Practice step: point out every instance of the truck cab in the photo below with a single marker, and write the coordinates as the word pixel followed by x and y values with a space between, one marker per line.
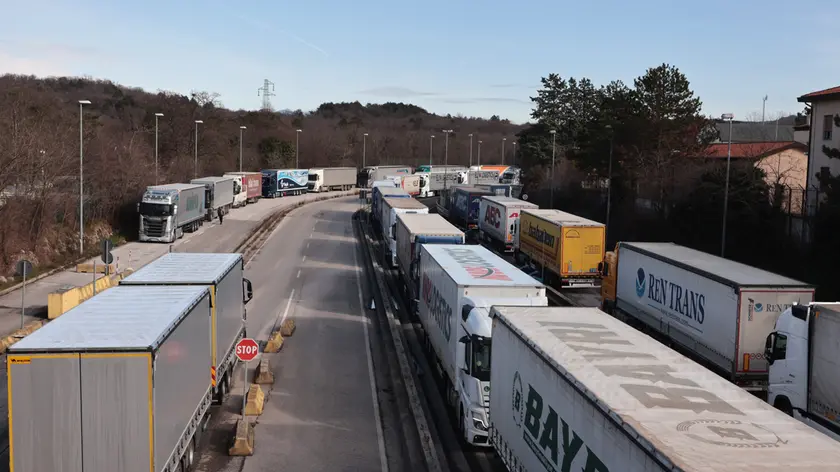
pixel 316 180
pixel 804 374
pixel 607 271
pixel 157 211
pixel 473 361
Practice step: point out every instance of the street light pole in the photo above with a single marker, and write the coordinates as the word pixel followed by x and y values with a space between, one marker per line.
pixel 431 146
pixel 609 183
pixel 471 139
pixel 553 139
pixel 364 149
pixel 157 115
pixel 82 103
pixel 479 152
pixel 503 150
pixel 297 148
pixel 446 158
pixel 514 152
pixel 729 117
pixel 241 129
pixel 195 159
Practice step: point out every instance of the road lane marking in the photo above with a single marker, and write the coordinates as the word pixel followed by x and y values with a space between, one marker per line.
pixel 307 245
pixel 288 304
pixel 383 461
pixel 304 259
pixel 298 276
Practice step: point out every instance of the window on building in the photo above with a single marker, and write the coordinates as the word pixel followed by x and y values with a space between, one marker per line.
pixel 828 125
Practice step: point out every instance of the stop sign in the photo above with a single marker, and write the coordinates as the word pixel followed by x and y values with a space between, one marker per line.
pixel 247 349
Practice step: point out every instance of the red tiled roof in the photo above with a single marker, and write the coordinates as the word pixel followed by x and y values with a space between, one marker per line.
pixel 751 150
pixel 819 94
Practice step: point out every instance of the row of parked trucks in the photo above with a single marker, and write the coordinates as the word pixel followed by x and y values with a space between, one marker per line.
pixel 125 380
pixel 669 375
pixel 168 211
pixel 428 181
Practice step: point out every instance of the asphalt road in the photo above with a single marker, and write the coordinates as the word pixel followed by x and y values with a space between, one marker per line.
pixel 323 412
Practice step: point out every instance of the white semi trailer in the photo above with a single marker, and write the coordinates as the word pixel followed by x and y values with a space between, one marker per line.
pixel 804 379
pixel 118 383
pixel 459 285
pixel 577 390
pixel 498 220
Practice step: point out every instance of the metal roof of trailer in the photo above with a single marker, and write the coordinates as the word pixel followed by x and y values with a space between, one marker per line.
pixel 714 267
pixel 120 318
pixel 679 439
pixel 561 217
pixel 428 223
pixel 185 268
pixel 404 203
pixel 211 179
pixel 510 201
pixel 469 264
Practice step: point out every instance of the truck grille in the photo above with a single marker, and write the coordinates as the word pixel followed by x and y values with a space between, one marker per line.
pixel 154 229
pixel 486 399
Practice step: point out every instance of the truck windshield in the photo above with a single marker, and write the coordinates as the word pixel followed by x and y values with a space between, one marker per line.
pixel 480 367
pixel 155 209
pixel 313 177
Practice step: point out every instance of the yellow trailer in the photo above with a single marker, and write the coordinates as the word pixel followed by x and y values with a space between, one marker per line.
pixel 569 246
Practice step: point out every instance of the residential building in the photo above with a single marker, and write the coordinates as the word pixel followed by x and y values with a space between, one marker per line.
pixel 825 105
pixel 785 165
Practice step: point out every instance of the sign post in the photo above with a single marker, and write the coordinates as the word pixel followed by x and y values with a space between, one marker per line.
pixel 23 268
pixel 106 256
pixel 246 350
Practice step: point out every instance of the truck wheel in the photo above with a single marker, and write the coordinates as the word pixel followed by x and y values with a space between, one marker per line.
pixel 783 404
pixel 189 457
pixel 461 428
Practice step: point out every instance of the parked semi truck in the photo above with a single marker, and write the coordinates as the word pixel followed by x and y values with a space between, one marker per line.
pixel 326 179
pixel 218 195
pixel 804 373
pixel 466 203
pixel 576 390
pixel 370 174
pixel 118 383
pixel 282 182
pixel 504 190
pixel 480 177
pixel 459 285
pixel 167 211
pixel 439 168
pixel 409 183
pixel 568 246
pixel 412 231
pixel 498 220
pixel 379 193
pixel 251 183
pixel 240 194
pixel 716 311
pixel 223 275
pixel 434 183
pixel 391 209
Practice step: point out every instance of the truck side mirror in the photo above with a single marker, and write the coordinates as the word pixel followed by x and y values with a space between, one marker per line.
pixel 769 347
pixel 464 339
pixel 248 291
pixel 465 312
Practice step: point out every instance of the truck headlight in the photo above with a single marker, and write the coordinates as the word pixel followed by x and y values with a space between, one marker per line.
pixel 478 421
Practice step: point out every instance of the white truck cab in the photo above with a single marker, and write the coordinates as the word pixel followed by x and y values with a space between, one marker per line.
pixel 803 353
pixel 473 359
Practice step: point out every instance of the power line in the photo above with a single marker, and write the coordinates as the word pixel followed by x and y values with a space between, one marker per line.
pixel 266 91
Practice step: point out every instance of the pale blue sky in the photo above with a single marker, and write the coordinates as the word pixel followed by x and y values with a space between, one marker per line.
pixel 457 56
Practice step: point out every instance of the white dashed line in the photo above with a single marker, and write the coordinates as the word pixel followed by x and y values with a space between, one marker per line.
pixel 298 276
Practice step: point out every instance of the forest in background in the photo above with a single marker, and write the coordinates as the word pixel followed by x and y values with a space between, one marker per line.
pixel 39 152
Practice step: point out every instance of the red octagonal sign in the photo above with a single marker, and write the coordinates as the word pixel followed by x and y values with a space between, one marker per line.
pixel 247 349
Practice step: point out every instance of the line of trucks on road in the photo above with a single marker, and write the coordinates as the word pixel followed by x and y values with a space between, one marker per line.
pixel 427 180
pixel 168 211
pixel 125 380
pixel 669 373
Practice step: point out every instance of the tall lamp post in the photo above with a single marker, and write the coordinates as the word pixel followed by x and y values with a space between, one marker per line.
pixel 503 150
pixel 553 139
pixel 195 159
pixel 364 149
pixel 479 152
pixel 729 117
pixel 297 147
pixel 431 146
pixel 514 152
pixel 82 103
pixel 241 129
pixel 446 157
pixel 471 139
pixel 609 182
pixel 157 115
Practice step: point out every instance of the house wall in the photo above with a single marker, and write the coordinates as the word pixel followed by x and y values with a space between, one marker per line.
pixel 818 157
pixel 790 169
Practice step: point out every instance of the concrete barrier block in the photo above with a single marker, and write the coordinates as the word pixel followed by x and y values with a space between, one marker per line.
pixel 287 328
pixel 275 343
pixel 264 375
pixel 100 268
pixel 255 401
pixel 243 439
